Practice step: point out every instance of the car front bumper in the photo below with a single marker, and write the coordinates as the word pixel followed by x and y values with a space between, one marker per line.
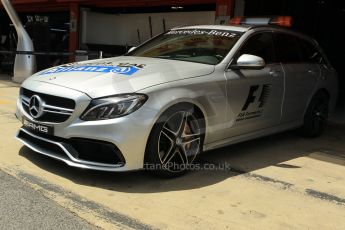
pixel 127 134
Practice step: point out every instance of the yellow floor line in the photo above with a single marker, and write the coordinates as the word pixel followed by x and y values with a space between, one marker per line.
pixel 6 102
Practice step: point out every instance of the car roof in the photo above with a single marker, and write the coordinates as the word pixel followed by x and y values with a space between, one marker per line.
pixel 236 28
pixel 246 27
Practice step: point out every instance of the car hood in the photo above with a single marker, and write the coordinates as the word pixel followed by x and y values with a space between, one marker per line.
pixel 118 75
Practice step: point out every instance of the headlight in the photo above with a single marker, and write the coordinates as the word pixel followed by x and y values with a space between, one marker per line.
pixel 112 107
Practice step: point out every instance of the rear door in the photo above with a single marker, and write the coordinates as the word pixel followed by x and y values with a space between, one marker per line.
pixel 301 74
pixel 255 95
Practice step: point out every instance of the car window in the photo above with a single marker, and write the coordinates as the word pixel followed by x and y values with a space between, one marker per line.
pixel 194 45
pixel 288 50
pixel 260 45
pixel 309 52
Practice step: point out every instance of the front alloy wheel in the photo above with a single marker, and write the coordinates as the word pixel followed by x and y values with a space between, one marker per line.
pixel 175 142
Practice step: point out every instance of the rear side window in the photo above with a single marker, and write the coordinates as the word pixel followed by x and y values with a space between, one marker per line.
pixel 288 50
pixel 309 52
pixel 260 45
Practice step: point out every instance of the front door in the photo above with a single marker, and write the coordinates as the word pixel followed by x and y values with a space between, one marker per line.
pixel 255 96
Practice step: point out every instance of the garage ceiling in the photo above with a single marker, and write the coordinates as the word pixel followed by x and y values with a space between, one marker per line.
pixel 63 5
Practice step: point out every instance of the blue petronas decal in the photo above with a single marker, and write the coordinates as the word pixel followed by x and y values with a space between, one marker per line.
pixel 105 67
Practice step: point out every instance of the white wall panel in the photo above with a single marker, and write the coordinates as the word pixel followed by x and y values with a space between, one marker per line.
pixel 112 29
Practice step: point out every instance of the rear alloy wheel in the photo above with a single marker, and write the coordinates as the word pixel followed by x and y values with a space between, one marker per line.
pixel 175 142
pixel 316 117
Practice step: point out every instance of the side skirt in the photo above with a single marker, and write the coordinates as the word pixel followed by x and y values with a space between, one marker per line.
pixel 252 135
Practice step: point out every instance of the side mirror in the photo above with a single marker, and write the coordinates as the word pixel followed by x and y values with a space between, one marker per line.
pixel 247 61
pixel 132 48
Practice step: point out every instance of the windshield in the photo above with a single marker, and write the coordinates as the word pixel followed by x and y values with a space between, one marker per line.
pixel 193 45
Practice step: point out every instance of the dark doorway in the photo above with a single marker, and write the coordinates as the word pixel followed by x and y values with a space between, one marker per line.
pixel 48 31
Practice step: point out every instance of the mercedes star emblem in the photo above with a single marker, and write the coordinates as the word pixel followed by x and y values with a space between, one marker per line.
pixel 36 106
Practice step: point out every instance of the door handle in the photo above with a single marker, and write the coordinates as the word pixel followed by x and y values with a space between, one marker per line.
pixel 274 73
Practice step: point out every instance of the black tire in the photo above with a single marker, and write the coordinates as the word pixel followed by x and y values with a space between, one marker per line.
pixel 171 147
pixel 316 116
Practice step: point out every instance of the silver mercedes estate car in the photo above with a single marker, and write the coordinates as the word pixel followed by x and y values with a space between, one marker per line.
pixel 188 90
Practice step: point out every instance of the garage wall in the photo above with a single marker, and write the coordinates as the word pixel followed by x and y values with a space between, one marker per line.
pixel 109 29
pixel 239 7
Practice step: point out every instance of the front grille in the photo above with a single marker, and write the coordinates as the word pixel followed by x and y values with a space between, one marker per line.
pixel 56 109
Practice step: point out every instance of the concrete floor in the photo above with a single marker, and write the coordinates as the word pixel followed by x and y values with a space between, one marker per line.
pixel 278 182
pixel 24 208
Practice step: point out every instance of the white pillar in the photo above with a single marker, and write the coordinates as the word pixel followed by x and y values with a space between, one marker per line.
pixel 24 65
